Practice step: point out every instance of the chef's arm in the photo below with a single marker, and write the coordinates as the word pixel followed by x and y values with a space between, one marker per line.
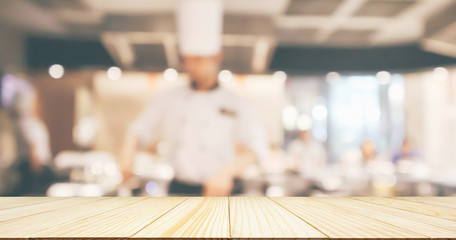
pixel 244 157
pixel 140 133
pixel 129 148
pixel 35 163
pixel 221 183
pixel 128 151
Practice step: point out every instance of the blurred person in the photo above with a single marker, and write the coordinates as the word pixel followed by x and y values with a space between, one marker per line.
pixel 33 152
pixel 368 151
pixel 366 171
pixel 406 153
pixel 372 161
pixel 212 133
pixel 306 155
pixel 408 161
pixel 362 156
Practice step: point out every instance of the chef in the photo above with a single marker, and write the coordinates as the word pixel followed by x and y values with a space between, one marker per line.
pixel 212 132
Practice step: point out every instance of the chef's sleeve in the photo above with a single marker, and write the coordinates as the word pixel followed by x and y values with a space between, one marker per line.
pixel 37 135
pixel 251 132
pixel 146 126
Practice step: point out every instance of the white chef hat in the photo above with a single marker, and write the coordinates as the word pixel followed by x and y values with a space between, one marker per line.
pixel 199 27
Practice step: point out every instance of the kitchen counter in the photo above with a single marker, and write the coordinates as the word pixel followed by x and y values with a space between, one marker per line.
pixel 227 218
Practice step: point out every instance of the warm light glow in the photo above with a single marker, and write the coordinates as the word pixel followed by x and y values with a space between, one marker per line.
pixel 97 168
pixel 114 73
pixel 56 71
pixel 320 132
pixel 332 77
pixel 225 76
pixel 396 94
pixel 383 77
pixel 151 187
pixel 304 122
pixel 170 74
pixel 280 76
pixel 289 117
pixel 275 191
pixel 110 169
pixel 440 73
pixel 319 112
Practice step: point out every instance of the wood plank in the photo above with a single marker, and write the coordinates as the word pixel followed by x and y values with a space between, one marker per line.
pixel 449 202
pixel 338 223
pixel 227 218
pixel 422 224
pixel 260 217
pixel 10 199
pixel 22 211
pixel 195 218
pixel 12 202
pixel 122 222
pixel 426 209
pixel 25 227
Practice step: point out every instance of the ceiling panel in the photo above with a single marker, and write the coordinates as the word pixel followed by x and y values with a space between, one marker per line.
pixel 441 20
pixel 37 20
pixel 313 7
pixel 79 16
pixel 253 7
pixel 350 37
pixel 384 8
pixel 68 4
pixel 289 22
pixel 447 35
pixel 249 25
pixel 287 36
pixel 84 31
pixel 131 6
pixel 139 23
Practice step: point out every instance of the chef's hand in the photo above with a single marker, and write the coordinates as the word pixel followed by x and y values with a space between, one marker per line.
pixel 126 174
pixel 219 185
pixel 127 155
pixel 36 167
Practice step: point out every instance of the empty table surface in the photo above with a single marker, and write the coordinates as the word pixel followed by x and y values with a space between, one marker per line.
pixel 228 218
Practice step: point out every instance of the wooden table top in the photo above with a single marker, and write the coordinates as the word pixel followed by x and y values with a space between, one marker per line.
pixel 228 218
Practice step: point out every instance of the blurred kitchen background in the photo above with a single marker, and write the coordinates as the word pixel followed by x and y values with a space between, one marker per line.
pixel 358 96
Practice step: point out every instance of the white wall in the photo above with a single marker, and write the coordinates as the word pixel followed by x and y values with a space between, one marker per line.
pixel 430 105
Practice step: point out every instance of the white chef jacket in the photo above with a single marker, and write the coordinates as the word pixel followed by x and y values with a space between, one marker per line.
pixel 36 134
pixel 201 129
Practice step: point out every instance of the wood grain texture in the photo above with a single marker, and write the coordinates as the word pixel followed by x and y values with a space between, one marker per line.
pixel 227 218
pixel 449 202
pixel 121 222
pixel 422 224
pixel 195 218
pixel 259 217
pixel 423 208
pixel 40 207
pixel 339 223
pixel 27 226
pixel 12 202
